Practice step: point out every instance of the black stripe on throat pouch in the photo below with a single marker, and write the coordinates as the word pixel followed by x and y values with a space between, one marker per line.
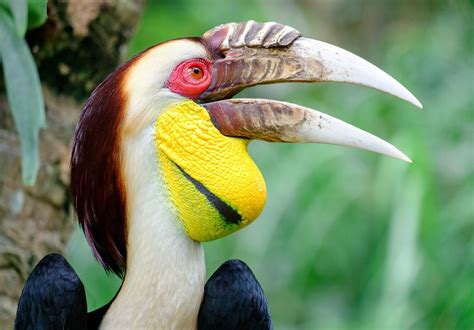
pixel 229 215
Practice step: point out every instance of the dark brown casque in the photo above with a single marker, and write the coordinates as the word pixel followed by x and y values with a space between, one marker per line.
pixel 247 54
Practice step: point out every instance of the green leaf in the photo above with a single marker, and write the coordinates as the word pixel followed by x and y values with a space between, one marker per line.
pixel 25 98
pixel 37 13
pixel 18 10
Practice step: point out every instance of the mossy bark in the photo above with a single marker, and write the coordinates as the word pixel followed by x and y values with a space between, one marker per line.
pixel 81 43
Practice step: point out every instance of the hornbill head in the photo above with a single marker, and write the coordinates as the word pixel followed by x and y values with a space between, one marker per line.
pixel 167 118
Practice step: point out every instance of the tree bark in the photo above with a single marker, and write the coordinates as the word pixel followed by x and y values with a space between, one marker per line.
pixel 81 42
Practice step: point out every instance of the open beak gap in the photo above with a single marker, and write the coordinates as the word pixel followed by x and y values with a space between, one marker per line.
pixel 253 53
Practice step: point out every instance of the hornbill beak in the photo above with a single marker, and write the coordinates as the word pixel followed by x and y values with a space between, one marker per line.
pixel 248 54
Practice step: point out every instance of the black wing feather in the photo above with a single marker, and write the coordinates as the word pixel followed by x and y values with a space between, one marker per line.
pixel 53 297
pixel 233 299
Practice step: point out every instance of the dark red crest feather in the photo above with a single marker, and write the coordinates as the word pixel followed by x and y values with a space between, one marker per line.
pixel 96 179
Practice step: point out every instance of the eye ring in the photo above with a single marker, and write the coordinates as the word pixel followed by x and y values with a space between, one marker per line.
pixel 196 72
pixel 191 77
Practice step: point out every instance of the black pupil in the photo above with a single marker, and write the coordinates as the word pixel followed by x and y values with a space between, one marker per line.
pixel 196 71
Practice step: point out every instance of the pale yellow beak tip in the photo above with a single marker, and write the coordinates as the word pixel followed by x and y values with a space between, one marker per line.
pixel 417 103
pixel 405 158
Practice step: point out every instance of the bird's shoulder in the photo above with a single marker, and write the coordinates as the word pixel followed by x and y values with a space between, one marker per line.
pixel 53 297
pixel 233 299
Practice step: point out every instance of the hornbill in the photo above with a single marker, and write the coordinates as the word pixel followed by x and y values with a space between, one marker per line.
pixel 160 164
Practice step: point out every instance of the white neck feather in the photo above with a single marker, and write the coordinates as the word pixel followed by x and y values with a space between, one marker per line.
pixel 165 275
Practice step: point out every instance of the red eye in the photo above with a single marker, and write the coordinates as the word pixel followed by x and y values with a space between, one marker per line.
pixel 191 78
pixel 196 72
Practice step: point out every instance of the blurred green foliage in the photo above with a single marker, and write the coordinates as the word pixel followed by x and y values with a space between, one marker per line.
pixel 350 239
pixel 23 87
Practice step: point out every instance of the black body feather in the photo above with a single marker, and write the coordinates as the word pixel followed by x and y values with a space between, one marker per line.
pixel 54 298
pixel 233 299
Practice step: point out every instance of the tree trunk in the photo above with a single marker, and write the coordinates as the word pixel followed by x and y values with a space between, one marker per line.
pixel 81 43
